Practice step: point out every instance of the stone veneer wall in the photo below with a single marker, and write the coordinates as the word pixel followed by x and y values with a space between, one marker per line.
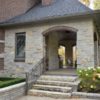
pixel 34 44
pixel 13 92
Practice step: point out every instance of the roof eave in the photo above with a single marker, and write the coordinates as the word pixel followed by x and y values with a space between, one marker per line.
pixel 91 14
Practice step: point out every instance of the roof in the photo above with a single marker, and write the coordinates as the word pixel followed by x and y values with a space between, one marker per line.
pixel 59 8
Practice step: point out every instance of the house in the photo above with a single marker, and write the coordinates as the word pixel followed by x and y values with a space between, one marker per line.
pixel 38 33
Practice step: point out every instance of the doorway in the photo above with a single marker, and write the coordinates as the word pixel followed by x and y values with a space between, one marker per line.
pixel 60 49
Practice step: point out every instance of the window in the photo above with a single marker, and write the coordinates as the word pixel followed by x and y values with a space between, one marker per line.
pixel 20 47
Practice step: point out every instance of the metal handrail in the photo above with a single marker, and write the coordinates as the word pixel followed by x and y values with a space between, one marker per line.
pixel 33 74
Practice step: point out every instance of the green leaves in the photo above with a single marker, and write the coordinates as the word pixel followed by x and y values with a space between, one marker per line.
pixel 90 79
pixel 4 82
pixel 96 4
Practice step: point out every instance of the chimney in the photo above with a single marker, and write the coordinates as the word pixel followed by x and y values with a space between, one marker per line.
pixel 47 2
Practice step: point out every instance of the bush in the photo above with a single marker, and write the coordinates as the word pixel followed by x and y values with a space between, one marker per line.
pixel 90 80
pixel 4 82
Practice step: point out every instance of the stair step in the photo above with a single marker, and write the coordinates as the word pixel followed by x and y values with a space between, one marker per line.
pixel 52 88
pixel 42 93
pixel 58 78
pixel 57 83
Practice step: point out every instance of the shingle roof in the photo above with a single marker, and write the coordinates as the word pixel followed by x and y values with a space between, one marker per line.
pixel 58 9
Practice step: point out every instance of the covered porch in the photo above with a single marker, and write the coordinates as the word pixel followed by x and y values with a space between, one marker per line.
pixel 60 49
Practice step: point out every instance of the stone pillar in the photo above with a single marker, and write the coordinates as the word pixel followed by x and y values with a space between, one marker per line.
pixel 53 61
pixel 85 47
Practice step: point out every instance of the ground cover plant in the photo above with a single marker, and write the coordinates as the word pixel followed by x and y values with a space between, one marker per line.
pixel 90 80
pixel 7 81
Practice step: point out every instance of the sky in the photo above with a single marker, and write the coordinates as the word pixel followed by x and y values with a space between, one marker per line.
pixel 91 4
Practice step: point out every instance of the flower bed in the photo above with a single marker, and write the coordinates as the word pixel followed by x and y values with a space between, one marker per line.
pixel 90 80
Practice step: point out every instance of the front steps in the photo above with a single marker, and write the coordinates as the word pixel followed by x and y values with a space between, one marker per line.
pixel 54 86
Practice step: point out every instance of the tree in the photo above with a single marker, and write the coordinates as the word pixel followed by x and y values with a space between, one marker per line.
pixel 86 2
pixel 96 4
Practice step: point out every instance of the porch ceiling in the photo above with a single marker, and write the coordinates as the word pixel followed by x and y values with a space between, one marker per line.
pixel 68 36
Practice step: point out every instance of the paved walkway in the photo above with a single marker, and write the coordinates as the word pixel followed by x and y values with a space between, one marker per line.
pixel 47 98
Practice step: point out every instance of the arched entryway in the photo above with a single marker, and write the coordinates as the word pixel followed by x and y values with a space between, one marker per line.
pixel 60 39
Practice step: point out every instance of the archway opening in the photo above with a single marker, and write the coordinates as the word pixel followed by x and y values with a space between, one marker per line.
pixel 60 49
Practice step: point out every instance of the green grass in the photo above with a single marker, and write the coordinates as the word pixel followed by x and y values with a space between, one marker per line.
pixel 7 81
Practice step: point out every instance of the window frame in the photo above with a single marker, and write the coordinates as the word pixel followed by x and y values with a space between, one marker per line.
pixel 19 59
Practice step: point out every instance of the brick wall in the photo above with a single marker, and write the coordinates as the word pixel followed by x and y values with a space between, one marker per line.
pixel 2 37
pixel 11 8
pixel 1 63
pixel 1 47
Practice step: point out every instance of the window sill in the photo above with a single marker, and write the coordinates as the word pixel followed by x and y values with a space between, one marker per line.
pixel 19 60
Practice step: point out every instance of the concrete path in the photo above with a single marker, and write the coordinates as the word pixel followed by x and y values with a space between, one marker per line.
pixel 47 98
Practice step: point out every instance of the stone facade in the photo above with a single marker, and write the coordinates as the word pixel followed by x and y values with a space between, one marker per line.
pixel 35 45
pixel 13 92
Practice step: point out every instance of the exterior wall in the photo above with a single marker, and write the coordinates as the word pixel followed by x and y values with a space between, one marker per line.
pixel 11 8
pixel 34 49
pixel 2 35
pixel 34 44
pixel 85 45
pixel 13 92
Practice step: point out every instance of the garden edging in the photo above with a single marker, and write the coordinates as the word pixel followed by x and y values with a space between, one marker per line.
pixel 13 92
pixel 86 95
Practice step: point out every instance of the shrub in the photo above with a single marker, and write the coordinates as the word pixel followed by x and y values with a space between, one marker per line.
pixel 4 82
pixel 90 79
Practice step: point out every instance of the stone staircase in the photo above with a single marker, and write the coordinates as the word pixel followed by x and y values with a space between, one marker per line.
pixel 55 86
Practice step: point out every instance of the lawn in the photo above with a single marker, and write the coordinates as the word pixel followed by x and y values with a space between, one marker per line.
pixel 7 81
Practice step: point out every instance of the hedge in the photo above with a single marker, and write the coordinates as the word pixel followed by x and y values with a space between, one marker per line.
pixel 4 82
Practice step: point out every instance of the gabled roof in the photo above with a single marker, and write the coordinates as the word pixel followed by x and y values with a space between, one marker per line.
pixel 59 8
